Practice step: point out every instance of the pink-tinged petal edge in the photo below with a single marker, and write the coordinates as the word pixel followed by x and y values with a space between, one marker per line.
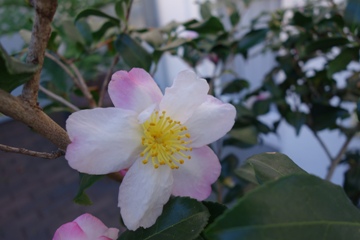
pixel 103 140
pixel 211 121
pixel 69 231
pixel 143 193
pixel 85 227
pixel 194 178
pixel 134 90
pixel 186 94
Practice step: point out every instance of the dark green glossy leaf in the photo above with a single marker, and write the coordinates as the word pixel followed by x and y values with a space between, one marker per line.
pixel 182 218
pixel 272 165
pixel 100 33
pixel 247 173
pixel 211 25
pixel 300 19
pixel 341 61
pixel 85 31
pixel 296 207
pixel 247 135
pixel 261 107
pixel 86 181
pixel 325 44
pixel 94 12
pixel 296 119
pixel 235 86
pixel 234 18
pixel 252 39
pixel 133 54
pixel 215 209
pixel 352 13
pixel 325 116
pixel 13 73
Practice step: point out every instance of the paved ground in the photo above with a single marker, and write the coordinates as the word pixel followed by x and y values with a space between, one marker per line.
pixel 36 194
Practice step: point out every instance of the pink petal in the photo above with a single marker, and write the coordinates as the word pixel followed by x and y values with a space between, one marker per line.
pixel 70 231
pixel 134 90
pixel 143 193
pixel 212 120
pixel 186 94
pixel 103 140
pixel 195 176
pixel 92 226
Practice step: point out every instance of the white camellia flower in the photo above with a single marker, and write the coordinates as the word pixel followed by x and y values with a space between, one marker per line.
pixel 161 140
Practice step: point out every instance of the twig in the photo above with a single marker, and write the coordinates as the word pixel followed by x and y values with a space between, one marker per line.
pixel 82 85
pixel 323 146
pixel 337 159
pixel 46 155
pixel 44 13
pixel 59 99
pixel 63 66
pixel 107 79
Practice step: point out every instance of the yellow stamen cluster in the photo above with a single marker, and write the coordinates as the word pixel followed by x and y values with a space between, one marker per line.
pixel 165 141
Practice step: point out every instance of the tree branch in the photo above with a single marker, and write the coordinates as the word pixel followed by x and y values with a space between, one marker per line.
pixel 337 159
pixel 46 155
pixel 323 145
pixel 44 13
pixel 34 117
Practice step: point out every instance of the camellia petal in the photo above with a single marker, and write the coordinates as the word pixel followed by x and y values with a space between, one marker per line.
pixel 195 176
pixel 70 231
pixel 212 120
pixel 103 140
pixel 92 226
pixel 85 227
pixel 143 193
pixel 186 94
pixel 134 90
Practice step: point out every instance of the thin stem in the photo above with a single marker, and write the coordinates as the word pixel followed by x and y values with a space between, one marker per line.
pixel 82 85
pixel 107 79
pixel 328 154
pixel 24 151
pixel 59 99
pixel 338 157
pixel 63 66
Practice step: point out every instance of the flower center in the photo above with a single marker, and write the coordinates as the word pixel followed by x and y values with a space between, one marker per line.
pixel 165 141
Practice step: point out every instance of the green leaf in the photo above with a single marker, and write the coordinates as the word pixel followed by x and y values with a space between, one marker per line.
pixel 14 73
pixel 173 44
pixel 247 173
pixel 261 107
pixel 234 18
pixel 251 39
pixel 296 119
pixel 121 8
pixel 271 166
pixel 182 218
pixel 325 116
pixel 102 30
pixel 247 135
pixel 153 37
pixel 300 19
pixel 205 10
pixel 341 61
pixel 85 31
pixel 215 209
pixel 296 207
pixel 235 86
pixel 133 54
pixel 352 13
pixel 86 181
pixel 211 25
pixel 325 44
pixel 94 12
